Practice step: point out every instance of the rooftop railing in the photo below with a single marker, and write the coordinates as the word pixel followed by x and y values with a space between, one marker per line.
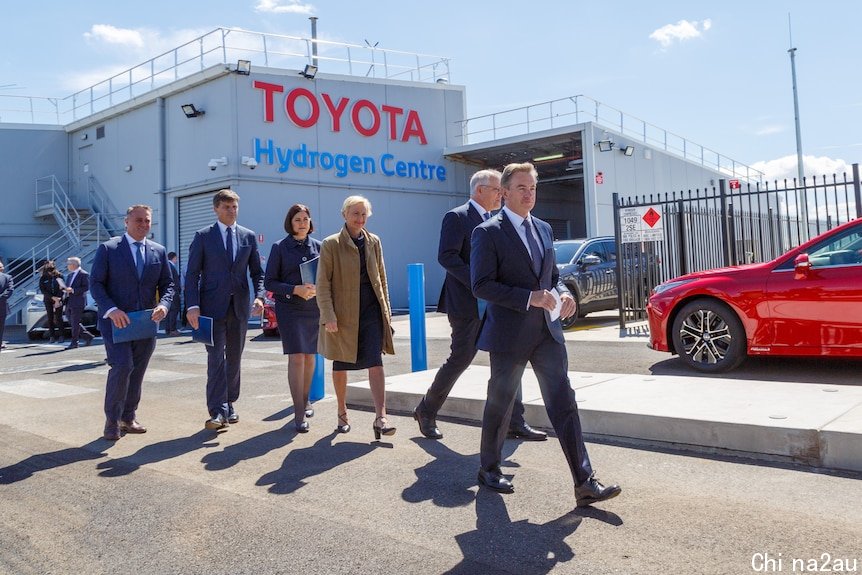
pixel 578 109
pixel 225 46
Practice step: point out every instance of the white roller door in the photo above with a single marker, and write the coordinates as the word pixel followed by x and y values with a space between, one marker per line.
pixel 195 212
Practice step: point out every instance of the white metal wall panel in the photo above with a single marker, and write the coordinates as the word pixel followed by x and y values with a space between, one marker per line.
pixel 194 212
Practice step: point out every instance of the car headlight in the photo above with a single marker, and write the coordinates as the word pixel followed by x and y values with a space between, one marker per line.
pixel 661 288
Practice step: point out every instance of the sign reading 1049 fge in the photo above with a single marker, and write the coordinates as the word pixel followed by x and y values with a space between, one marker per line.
pixel 641 224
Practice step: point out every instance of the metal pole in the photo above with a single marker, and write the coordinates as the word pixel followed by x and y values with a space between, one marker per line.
pixel 802 193
pixel 416 301
pixel 313 40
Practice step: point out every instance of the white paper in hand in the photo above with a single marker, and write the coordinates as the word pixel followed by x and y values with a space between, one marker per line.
pixel 558 305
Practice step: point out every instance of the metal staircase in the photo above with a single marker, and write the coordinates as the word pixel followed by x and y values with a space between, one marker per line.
pixel 81 230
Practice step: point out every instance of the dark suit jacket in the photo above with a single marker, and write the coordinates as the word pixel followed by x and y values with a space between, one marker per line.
pixel 78 298
pixel 6 288
pixel 211 278
pixel 283 274
pixel 502 273
pixel 456 297
pixel 114 278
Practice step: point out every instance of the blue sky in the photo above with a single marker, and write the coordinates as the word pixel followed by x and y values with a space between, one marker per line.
pixel 717 74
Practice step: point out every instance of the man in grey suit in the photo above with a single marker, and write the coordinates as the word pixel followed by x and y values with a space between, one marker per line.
pixel 460 305
pixel 513 267
pixel 77 286
pixel 221 259
pixel 7 286
pixel 129 272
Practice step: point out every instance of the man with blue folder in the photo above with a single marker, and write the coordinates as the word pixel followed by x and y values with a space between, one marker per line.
pixel 128 273
pixel 221 259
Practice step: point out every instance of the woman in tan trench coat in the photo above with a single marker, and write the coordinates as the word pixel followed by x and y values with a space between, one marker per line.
pixel 355 314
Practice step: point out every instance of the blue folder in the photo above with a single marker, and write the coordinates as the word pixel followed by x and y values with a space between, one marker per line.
pixel 141 326
pixel 204 333
pixel 308 270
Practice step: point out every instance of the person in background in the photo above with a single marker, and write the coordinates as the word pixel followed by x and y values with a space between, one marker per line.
pixel 355 313
pixel 52 298
pixel 129 271
pixel 295 306
pixel 221 259
pixel 460 305
pixel 174 312
pixel 7 286
pixel 77 286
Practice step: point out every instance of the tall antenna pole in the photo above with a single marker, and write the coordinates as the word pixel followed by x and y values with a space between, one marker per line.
pixel 803 196
pixel 314 42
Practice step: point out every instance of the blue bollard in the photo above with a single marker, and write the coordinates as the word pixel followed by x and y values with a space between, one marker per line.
pixel 316 392
pixel 416 299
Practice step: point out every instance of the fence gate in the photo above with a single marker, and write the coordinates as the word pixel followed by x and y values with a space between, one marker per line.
pixel 664 236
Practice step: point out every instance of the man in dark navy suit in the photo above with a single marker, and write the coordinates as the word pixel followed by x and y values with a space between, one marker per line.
pixel 513 267
pixel 460 305
pixel 129 272
pixel 7 286
pixel 77 286
pixel 221 259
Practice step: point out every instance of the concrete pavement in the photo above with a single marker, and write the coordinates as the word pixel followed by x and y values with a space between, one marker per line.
pixel 807 423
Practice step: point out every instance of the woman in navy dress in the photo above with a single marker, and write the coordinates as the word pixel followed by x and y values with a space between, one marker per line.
pixel 295 306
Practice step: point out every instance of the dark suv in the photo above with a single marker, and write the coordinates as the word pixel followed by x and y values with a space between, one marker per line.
pixel 588 267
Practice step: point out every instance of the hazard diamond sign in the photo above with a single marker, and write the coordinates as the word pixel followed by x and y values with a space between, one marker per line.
pixel 641 224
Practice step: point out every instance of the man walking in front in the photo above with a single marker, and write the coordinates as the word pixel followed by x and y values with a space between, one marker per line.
pixel 513 267
pixel 77 286
pixel 221 259
pixel 129 272
pixel 460 305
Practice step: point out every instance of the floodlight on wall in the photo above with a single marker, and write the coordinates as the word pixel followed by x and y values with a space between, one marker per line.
pixel 191 112
pixel 243 67
pixel 629 150
pixel 127 168
pixel 605 145
pixel 310 71
pixel 249 161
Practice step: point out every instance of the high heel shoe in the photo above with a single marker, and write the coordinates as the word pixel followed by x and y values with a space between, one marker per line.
pixel 309 411
pixel 302 427
pixel 342 427
pixel 381 427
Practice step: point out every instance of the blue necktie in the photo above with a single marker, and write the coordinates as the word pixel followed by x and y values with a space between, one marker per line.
pixel 487 216
pixel 139 260
pixel 535 250
pixel 229 244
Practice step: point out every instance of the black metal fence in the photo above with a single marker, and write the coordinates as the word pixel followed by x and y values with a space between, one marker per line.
pixel 681 232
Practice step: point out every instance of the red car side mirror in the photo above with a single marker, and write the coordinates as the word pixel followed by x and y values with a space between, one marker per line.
pixel 801 265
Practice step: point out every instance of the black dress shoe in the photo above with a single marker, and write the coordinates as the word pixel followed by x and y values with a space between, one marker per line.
pixel 232 416
pixel 112 431
pixel 495 481
pixel 592 491
pixel 72 346
pixel 526 433
pixel 427 425
pixel 216 423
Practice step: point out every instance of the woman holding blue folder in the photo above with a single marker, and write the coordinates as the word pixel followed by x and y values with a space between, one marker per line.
pixel 295 306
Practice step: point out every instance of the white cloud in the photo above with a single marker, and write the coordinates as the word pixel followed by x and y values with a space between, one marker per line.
pixel 113 35
pixel 680 32
pixel 768 130
pixel 282 7
pixel 785 168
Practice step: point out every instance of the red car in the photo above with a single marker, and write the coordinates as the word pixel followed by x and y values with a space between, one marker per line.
pixel 268 321
pixel 807 302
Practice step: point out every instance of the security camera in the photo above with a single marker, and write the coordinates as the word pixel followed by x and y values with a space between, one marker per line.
pixel 212 165
pixel 249 161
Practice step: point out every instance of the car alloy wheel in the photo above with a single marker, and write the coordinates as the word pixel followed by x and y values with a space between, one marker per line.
pixel 708 336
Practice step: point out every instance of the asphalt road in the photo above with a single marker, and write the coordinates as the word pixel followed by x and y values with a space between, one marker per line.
pixel 262 499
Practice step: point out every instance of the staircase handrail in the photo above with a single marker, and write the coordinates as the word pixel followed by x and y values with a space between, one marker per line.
pixel 100 202
pixel 50 194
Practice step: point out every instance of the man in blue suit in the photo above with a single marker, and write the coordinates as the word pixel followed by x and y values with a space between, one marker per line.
pixel 7 286
pixel 460 305
pixel 129 272
pixel 77 286
pixel 513 267
pixel 221 259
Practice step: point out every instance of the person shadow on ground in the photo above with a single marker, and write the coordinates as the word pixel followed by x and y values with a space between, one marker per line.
pixel 25 468
pixel 450 478
pixel 499 545
pixel 256 446
pixel 318 458
pixel 156 452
